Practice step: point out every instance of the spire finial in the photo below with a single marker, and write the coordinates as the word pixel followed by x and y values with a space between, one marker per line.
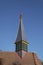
pixel 20 17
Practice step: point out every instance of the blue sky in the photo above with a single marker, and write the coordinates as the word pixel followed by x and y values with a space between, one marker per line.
pixel 32 11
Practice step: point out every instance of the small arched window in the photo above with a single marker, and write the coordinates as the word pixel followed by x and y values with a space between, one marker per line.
pixel 18 46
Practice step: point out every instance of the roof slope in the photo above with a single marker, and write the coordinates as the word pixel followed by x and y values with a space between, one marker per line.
pixel 21 33
pixel 12 58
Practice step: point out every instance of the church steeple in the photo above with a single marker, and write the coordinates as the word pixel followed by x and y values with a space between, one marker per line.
pixel 21 42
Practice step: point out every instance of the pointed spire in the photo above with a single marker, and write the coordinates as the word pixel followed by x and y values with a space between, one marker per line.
pixel 21 33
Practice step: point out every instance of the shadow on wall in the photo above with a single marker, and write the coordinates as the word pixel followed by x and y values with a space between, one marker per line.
pixel 0 61
pixel 42 63
pixel 16 63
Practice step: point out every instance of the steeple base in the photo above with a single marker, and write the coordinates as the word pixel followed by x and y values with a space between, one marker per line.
pixel 21 53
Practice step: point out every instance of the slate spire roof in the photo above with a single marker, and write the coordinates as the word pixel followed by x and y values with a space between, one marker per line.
pixel 21 33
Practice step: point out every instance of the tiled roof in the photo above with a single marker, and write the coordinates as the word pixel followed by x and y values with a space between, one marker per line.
pixel 12 58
